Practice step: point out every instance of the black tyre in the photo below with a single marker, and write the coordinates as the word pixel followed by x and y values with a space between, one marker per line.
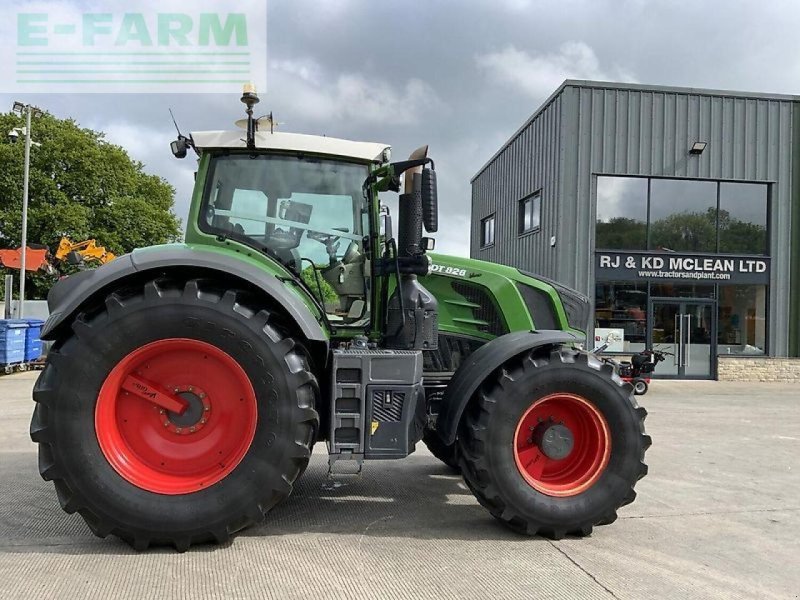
pixel 640 387
pixel 553 444
pixel 445 453
pixel 151 476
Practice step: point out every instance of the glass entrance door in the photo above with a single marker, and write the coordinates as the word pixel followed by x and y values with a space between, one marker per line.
pixel 687 330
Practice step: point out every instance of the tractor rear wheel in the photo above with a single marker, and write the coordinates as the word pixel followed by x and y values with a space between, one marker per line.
pixel 445 453
pixel 554 444
pixel 135 464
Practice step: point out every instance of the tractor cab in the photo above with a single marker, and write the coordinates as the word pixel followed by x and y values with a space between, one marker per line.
pixel 300 200
pixel 310 204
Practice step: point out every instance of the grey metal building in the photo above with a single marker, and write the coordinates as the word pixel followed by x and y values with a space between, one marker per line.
pixel 676 210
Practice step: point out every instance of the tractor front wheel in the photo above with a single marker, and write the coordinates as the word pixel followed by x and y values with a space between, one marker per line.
pixel 445 453
pixel 554 444
pixel 175 413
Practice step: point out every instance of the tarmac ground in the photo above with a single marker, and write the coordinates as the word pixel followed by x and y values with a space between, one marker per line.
pixel 718 516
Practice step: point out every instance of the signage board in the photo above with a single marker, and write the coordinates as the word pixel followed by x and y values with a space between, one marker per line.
pixel 614 337
pixel 689 268
pixel 137 46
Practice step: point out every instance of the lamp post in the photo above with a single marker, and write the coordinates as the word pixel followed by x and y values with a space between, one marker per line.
pixel 28 110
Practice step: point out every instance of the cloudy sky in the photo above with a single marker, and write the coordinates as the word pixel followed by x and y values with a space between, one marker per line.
pixel 461 76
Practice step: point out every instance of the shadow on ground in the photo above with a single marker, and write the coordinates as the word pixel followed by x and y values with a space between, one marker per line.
pixel 413 498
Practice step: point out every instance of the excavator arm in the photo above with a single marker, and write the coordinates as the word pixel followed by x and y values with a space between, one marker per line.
pixel 85 251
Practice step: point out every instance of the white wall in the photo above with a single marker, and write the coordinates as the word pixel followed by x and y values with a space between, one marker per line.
pixel 35 309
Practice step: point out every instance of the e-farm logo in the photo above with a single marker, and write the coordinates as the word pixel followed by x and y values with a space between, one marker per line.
pixel 138 46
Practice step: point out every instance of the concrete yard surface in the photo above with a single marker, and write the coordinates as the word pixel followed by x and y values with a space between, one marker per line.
pixel 717 517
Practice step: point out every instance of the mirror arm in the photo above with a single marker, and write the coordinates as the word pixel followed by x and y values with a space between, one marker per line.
pixel 398 168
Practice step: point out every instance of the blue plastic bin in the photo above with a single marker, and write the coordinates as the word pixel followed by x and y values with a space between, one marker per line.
pixel 33 343
pixel 12 341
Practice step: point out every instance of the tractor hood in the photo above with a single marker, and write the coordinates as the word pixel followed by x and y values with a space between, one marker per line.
pixel 572 309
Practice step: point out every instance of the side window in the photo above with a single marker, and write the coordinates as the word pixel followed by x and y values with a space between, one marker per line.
pixel 248 209
pixel 487 231
pixel 530 213
pixel 305 212
pixel 330 226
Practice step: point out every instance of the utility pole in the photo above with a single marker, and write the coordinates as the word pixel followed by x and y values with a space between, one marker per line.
pixel 28 110
pixel 25 184
pixel 9 296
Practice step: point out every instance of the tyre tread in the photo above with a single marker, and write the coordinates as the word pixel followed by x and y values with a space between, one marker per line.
pixel 475 424
pixel 196 291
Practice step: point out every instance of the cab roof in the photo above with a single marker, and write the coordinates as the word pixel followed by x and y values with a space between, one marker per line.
pixel 366 151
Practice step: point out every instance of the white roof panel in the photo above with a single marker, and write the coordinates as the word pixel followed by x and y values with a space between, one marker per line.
pixel 317 144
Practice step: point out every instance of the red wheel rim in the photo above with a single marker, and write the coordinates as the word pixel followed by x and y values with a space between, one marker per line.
pixel 158 450
pixel 583 465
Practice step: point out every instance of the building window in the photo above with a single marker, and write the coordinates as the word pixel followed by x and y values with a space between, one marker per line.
pixel 530 213
pixel 742 319
pixel 487 231
pixel 743 218
pixel 621 213
pixel 621 312
pixel 683 215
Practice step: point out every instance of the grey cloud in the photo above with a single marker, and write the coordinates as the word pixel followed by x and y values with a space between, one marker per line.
pixel 539 75
pixel 460 76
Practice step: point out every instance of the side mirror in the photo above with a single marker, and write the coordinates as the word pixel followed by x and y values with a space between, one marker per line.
pixel 430 201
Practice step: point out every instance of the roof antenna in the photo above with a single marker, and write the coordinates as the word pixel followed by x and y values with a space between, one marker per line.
pixel 250 99
pixel 174 122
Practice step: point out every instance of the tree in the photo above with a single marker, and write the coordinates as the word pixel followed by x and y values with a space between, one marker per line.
pixel 83 187
pixel 317 284
pixel 686 231
pixel 740 236
pixel 697 232
pixel 621 233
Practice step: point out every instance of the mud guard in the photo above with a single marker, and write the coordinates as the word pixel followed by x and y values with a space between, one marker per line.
pixel 68 295
pixel 481 364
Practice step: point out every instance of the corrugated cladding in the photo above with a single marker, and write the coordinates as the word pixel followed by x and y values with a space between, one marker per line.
pixel 529 163
pixel 590 128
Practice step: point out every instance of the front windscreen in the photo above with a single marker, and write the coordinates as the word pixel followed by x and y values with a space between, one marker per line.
pixel 297 207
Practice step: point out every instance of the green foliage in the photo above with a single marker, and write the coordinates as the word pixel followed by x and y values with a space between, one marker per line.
pixel 621 234
pixel 741 236
pixel 684 232
pixel 83 187
pixel 328 293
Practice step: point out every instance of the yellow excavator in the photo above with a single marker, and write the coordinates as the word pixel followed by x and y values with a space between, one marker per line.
pixel 38 257
pixel 86 251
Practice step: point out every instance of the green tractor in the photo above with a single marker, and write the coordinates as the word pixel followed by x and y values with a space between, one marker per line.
pixel 188 383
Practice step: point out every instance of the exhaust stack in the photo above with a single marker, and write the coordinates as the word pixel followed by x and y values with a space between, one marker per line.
pixel 413 312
